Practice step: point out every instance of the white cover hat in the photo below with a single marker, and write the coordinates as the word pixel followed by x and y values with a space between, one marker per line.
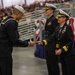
pixel 63 12
pixel 47 6
pixel 20 8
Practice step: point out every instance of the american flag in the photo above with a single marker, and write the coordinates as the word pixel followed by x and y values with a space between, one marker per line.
pixel 71 22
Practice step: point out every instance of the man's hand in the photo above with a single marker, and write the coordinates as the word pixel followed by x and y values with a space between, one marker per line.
pixel 58 52
pixel 39 43
pixel 32 43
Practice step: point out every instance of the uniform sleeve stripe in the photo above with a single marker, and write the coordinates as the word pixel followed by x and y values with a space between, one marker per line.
pixel 45 42
pixel 65 48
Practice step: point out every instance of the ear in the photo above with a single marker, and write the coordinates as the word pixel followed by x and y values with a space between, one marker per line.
pixel 18 12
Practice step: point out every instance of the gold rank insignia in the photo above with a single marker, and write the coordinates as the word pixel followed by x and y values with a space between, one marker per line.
pixel 57 45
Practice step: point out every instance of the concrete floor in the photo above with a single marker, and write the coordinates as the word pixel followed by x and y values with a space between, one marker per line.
pixel 25 63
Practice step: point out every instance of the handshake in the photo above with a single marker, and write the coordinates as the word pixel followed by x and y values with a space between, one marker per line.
pixel 32 43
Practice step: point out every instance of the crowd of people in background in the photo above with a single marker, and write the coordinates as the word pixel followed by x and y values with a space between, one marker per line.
pixel 29 8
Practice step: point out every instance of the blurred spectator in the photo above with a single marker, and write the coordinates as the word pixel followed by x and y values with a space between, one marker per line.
pixel 8 11
pixel 59 1
pixel 1 16
pixel 32 7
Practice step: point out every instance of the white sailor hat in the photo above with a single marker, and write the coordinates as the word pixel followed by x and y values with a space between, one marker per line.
pixel 20 8
pixel 49 6
pixel 62 13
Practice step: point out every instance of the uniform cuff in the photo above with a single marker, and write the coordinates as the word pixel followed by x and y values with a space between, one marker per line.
pixel 44 42
pixel 65 48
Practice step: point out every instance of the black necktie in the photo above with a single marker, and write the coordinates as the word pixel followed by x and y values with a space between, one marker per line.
pixel 60 30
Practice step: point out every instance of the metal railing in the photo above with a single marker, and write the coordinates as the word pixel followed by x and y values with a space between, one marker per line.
pixel 27 24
